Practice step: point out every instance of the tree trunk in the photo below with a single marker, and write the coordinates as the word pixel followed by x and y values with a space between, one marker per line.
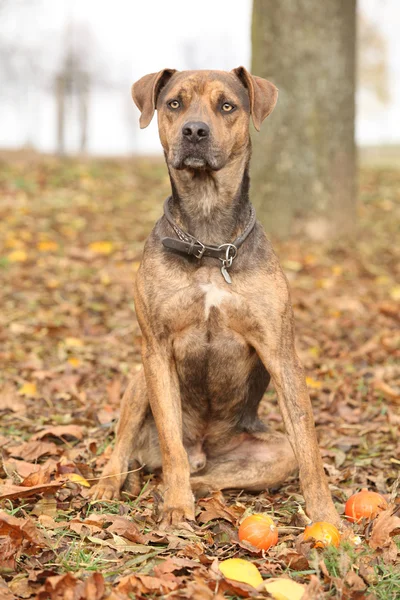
pixel 304 159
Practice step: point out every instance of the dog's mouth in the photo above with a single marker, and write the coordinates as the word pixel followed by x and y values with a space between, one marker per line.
pixel 193 162
pixel 183 157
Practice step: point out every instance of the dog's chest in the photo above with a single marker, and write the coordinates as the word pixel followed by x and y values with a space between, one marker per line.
pixel 214 297
pixel 210 356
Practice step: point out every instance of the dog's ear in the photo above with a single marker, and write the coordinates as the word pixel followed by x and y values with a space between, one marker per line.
pixel 145 93
pixel 263 95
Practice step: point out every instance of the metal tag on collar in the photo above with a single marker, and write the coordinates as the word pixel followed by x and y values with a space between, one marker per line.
pixel 230 254
pixel 225 273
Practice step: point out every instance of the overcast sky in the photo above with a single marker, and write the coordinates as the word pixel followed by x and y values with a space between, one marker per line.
pixel 125 39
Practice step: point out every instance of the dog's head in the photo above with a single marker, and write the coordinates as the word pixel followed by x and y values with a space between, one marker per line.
pixel 203 116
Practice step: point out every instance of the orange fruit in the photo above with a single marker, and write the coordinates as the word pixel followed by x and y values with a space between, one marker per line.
pixel 324 534
pixel 364 505
pixel 259 530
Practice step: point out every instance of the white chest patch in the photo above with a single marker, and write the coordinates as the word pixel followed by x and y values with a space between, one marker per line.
pixel 214 296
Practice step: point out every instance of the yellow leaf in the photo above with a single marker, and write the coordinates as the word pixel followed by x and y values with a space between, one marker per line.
pixel 17 256
pixel 52 283
pixel 314 351
pixel 74 362
pixel 284 589
pixel 28 389
pixel 47 246
pixel 313 383
pixel 101 247
pixel 105 279
pixel 395 292
pixel 73 342
pixel 337 270
pixel 241 570
pixel 78 479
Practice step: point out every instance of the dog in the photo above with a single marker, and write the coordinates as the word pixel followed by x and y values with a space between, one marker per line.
pixel 214 309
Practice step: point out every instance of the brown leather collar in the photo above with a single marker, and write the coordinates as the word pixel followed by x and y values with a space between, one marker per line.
pixel 187 244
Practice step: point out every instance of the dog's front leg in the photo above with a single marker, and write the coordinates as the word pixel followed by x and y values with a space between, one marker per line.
pixel 164 397
pixel 277 351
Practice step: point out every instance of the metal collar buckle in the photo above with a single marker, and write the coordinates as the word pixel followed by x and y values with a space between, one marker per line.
pixel 200 251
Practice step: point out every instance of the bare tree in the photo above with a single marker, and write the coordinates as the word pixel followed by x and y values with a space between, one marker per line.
pixel 304 163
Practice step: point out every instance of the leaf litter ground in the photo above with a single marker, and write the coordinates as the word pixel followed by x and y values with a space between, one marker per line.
pixel 71 237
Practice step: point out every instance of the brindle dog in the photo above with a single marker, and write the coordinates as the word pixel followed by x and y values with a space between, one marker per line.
pixel 210 346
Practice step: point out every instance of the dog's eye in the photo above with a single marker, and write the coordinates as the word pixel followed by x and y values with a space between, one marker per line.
pixel 174 104
pixel 226 107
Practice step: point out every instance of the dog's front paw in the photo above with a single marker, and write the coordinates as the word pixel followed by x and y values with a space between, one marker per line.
pixel 175 516
pixel 106 489
pixel 177 509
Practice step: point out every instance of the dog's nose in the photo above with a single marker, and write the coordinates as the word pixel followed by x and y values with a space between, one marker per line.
pixel 195 131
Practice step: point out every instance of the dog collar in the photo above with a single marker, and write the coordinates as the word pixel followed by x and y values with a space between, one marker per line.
pixel 189 245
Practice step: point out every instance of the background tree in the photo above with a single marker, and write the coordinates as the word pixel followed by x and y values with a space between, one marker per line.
pixel 304 165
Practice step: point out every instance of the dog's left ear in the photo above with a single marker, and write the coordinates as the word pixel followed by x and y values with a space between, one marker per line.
pixel 263 95
pixel 145 93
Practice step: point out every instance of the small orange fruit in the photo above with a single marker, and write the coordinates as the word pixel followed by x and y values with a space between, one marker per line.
pixel 324 534
pixel 364 505
pixel 259 530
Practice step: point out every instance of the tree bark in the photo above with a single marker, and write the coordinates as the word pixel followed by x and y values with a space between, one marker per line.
pixel 304 158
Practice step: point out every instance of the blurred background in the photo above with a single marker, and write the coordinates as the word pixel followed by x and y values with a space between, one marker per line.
pixel 66 69
pixel 103 47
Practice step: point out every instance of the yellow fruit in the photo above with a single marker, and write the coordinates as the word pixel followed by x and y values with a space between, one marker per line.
pixel 284 589
pixel 259 530
pixel 241 570
pixel 324 534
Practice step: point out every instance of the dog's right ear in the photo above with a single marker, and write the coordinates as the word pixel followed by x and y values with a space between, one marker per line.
pixel 145 93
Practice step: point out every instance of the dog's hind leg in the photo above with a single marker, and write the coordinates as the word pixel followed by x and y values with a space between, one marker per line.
pixel 260 461
pixel 134 406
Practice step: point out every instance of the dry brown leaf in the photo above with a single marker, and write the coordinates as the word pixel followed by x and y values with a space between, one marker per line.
pixel 10 400
pixel 60 431
pixel 216 508
pixel 16 491
pixel 354 582
pixel 126 529
pixel 385 526
pixel 68 587
pixel 5 592
pixel 33 450
pixel 38 477
pixel 144 584
pixel 18 536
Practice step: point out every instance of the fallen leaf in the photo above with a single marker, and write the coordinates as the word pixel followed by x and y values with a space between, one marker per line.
pixel 216 508
pixel 76 478
pixel 105 248
pixel 33 450
pixel 60 431
pixel 17 256
pixel 118 543
pixel 29 390
pixel 9 399
pixel 244 571
pixel 47 246
pixel 5 592
pixel 68 587
pixel 385 526
pixel 283 588
pixel 18 536
pixel 10 491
